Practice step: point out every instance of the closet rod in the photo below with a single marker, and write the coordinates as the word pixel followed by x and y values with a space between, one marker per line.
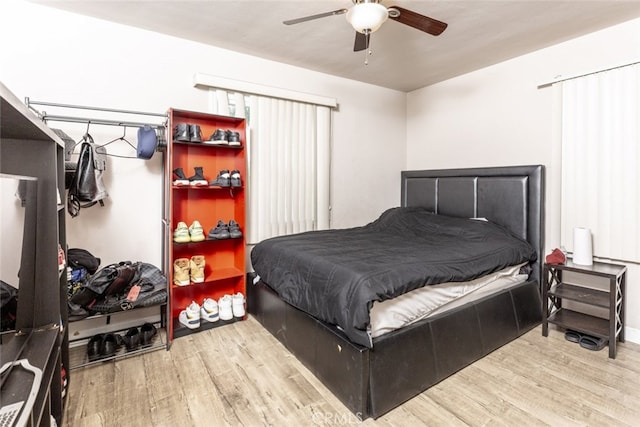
pixel 84 107
pixel 70 119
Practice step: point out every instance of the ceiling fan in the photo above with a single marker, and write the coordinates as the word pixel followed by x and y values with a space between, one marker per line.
pixel 366 16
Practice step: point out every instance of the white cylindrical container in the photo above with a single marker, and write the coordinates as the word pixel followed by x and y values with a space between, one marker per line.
pixel 582 246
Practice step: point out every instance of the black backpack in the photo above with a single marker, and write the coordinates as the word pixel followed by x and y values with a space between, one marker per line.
pixel 82 258
pixel 86 188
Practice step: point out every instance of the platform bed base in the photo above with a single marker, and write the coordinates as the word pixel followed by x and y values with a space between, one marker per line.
pixel 403 363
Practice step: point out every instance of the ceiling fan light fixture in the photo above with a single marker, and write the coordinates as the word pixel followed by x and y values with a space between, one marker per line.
pixel 367 17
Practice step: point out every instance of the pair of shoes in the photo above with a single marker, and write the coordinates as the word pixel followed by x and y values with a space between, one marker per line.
pixel 190 317
pixel 103 345
pixel 195 180
pixel 556 257
pixel 142 337
pixel 185 132
pixel 586 341
pixel 225 137
pixel 227 179
pixel 225 231
pixel 231 306
pixel 184 234
pixel 187 271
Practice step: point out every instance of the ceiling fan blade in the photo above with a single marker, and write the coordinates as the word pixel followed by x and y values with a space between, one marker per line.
pixel 417 21
pixel 311 17
pixel 362 41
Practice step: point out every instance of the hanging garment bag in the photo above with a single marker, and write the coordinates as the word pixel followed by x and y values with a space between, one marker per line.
pixel 87 187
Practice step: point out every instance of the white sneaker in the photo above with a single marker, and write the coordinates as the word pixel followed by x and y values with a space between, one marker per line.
pixel 209 310
pixel 190 317
pixel 238 305
pixel 224 307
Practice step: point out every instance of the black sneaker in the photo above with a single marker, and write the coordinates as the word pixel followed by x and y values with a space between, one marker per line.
pixel 234 229
pixel 234 139
pixel 195 134
pixel 235 179
pixel 220 231
pixel 181 132
pixel 222 180
pixel 219 137
pixel 198 179
pixel 180 178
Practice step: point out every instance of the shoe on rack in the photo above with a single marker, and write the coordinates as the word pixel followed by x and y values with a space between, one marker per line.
pixel 224 308
pixel 181 272
pixel 198 179
pixel 195 134
pixel 181 132
pixel 131 339
pixel 94 348
pixel 197 268
pixel 190 317
pixel 209 310
pixel 235 179
pixel 222 180
pixel 147 333
pixel 237 305
pixel 195 232
pixel 234 229
pixel 181 233
pixel 220 231
pixel 110 345
pixel 234 139
pixel 219 137
pixel 180 178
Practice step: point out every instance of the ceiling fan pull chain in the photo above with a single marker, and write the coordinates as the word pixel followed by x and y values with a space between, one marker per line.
pixel 367 51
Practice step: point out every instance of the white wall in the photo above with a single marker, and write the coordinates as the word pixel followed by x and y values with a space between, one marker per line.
pixel 55 56
pixel 498 116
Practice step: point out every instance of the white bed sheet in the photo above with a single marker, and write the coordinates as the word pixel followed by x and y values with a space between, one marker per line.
pixel 389 315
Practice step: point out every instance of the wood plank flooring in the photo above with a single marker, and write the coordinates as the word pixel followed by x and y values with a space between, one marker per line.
pixel 239 375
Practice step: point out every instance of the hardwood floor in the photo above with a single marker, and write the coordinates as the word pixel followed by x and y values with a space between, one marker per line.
pixel 239 375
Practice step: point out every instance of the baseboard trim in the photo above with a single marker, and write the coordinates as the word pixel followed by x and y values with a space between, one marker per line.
pixel 632 335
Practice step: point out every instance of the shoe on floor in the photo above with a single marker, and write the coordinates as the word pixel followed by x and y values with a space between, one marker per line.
pixel 572 336
pixel 190 317
pixel 195 134
pixel 235 179
pixel 592 343
pixel 219 137
pixel 181 132
pixel 181 233
pixel 195 232
pixel 224 308
pixel 197 268
pixel 238 305
pixel 222 180
pixel 209 310
pixel 198 179
pixel 180 178
pixel 181 272
pixel 234 139
pixel 220 231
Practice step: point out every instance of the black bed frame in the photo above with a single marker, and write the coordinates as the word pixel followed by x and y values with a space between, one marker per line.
pixel 405 362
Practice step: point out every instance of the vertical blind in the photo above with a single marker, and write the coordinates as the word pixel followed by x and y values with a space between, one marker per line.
pixel 601 161
pixel 288 162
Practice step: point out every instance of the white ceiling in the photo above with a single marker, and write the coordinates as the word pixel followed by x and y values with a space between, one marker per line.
pixel 480 32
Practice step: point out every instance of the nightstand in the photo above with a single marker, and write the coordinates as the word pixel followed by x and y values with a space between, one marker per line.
pixel 554 290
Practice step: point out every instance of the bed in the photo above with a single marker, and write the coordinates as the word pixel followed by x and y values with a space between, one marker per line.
pixel 374 373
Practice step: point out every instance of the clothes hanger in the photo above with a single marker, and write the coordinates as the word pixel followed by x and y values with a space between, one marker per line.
pixel 122 138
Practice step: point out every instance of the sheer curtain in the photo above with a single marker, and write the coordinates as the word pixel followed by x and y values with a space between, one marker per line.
pixel 601 161
pixel 288 162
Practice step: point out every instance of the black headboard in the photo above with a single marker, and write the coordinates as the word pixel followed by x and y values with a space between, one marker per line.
pixel 512 196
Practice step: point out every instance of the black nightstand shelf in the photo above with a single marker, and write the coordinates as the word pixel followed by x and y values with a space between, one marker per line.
pixel 554 290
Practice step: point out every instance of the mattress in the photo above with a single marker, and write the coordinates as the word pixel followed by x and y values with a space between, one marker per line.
pixel 336 275
pixel 421 303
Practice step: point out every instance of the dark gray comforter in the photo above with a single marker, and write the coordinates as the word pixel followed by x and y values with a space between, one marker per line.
pixel 336 275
